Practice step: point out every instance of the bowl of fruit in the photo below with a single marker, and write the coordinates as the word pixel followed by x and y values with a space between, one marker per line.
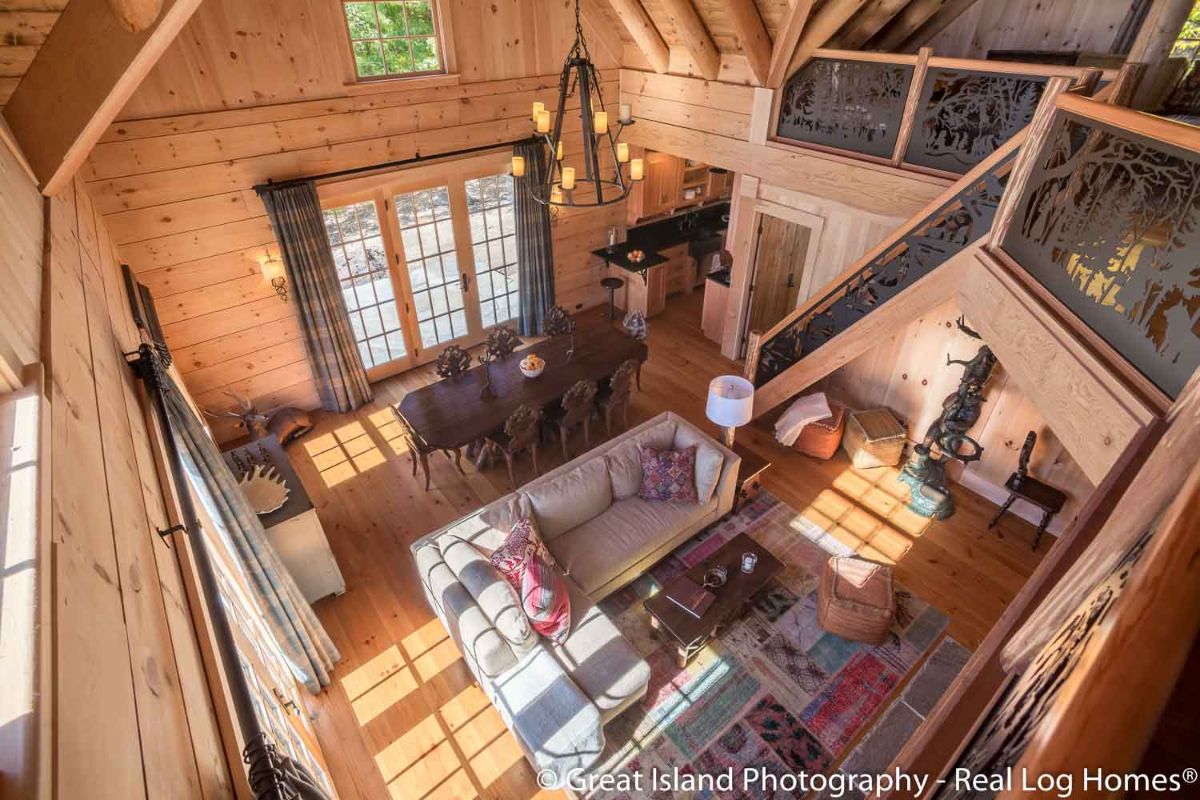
pixel 532 366
pixel 636 256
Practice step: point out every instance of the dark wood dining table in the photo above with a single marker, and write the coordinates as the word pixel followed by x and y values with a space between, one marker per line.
pixel 451 413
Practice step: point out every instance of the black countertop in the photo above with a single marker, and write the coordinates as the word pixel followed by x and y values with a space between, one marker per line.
pixel 721 276
pixel 703 230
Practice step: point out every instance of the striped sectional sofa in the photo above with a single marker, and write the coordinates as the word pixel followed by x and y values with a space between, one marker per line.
pixel 556 699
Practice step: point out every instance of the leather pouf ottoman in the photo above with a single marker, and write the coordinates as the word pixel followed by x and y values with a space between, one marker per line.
pixel 822 438
pixel 855 599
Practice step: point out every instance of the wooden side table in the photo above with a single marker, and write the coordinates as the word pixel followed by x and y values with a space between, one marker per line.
pixel 749 477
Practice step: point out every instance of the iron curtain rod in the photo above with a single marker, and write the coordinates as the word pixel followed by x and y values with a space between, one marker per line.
pixel 271 185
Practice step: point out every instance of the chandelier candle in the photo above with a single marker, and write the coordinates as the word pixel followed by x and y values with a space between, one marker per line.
pixel 518 167
pixel 602 179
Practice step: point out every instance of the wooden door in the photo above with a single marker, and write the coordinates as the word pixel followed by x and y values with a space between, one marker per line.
pixel 778 267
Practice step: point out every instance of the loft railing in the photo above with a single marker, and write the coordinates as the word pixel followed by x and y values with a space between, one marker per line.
pixel 1106 222
pixel 941 115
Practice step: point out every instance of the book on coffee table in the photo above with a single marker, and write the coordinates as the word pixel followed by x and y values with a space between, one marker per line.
pixel 692 598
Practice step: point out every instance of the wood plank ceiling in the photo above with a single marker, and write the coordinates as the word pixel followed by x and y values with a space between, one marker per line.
pixel 24 26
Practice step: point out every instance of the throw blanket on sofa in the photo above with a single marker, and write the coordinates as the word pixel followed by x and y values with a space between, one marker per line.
pixel 809 408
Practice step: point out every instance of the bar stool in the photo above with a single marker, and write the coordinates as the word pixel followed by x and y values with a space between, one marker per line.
pixel 611 284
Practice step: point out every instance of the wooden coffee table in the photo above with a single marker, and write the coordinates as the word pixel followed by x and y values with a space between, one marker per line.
pixel 686 633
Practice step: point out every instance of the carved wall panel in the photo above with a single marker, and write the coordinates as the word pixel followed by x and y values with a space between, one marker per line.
pixel 945 232
pixel 851 105
pixel 1011 723
pixel 1109 224
pixel 964 116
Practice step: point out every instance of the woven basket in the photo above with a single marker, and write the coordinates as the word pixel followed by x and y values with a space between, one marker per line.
pixel 820 439
pixel 874 439
pixel 855 599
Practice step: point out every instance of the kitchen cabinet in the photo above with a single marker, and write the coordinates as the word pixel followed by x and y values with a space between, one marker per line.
pixel 672 183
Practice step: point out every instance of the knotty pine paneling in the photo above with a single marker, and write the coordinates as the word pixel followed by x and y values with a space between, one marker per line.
pixel 21 232
pixel 177 196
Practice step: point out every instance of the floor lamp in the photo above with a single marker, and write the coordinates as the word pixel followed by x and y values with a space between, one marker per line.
pixel 730 404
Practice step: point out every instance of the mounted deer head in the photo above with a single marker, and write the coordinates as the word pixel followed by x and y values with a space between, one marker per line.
pixel 250 418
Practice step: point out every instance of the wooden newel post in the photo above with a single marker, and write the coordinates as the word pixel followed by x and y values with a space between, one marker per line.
pixel 753 340
pixel 1125 85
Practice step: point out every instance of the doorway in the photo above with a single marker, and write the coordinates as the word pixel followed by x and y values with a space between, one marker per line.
pixel 781 256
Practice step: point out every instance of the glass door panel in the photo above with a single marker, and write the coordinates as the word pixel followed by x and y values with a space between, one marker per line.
pixel 494 241
pixel 362 269
pixel 427 238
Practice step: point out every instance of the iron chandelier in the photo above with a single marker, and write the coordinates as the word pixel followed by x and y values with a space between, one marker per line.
pixel 562 184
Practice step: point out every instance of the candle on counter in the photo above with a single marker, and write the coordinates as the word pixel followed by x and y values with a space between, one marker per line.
pixel 568 178
pixel 600 122
pixel 518 166
pixel 637 169
pixel 538 108
pixel 559 154
pixel 625 114
pixel 622 153
pixel 543 121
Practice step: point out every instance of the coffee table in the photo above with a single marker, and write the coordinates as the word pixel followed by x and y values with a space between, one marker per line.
pixel 686 633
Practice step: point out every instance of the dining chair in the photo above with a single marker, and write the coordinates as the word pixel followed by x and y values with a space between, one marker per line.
pixel 575 409
pixel 452 362
pixel 419 449
pixel 501 341
pixel 521 431
pixel 557 322
pixel 616 394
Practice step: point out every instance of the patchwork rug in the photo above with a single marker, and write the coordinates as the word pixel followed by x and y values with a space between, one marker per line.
pixel 774 691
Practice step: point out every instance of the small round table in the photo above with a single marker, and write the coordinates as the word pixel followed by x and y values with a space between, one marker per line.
pixel 611 284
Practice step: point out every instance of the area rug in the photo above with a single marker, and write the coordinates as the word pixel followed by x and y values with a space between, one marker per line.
pixel 773 692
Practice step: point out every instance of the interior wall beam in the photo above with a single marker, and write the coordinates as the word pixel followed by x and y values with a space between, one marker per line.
pixel 645 35
pixel 693 36
pixel 752 35
pixel 786 40
pixel 80 80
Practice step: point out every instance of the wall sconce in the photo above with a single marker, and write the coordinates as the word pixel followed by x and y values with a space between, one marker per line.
pixel 273 271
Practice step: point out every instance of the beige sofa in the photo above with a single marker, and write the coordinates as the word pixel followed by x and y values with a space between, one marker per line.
pixel 556 699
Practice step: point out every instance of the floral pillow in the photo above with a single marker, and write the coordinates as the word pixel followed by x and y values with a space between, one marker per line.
pixel 669 474
pixel 525 563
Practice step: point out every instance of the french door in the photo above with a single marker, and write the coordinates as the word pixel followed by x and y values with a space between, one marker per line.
pixel 427 258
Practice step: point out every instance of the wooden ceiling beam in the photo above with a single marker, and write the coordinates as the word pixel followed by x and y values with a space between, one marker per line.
pixel 645 35
pixel 866 23
pixel 693 36
pixel 786 41
pixel 828 20
pixel 905 24
pixel 80 80
pixel 952 10
pixel 752 36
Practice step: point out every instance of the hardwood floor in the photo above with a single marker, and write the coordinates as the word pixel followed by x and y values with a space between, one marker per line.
pixel 403 717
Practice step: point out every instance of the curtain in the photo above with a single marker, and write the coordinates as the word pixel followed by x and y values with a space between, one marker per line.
pixel 535 253
pixel 308 648
pixel 295 214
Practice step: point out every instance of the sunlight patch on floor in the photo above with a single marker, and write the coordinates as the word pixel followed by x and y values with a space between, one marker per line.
pixel 343 454
pixel 390 429
pixel 390 691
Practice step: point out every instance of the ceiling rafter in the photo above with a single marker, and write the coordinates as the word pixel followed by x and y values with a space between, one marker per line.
pixel 786 40
pixel 828 20
pixel 643 32
pixel 937 23
pixel 905 24
pixel 694 37
pixel 865 24
pixel 752 36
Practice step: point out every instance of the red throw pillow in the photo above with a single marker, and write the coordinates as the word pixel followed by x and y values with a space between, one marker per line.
pixel 669 474
pixel 525 563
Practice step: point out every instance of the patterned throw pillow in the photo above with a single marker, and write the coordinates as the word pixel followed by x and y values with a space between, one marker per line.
pixel 525 563
pixel 669 474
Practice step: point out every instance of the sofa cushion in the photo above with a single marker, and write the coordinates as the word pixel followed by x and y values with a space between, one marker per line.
pixel 552 719
pixel 505 513
pixel 599 659
pixel 525 563
pixel 709 460
pixel 604 547
pixel 568 500
pixel 669 475
pixel 625 461
pixel 495 596
pixel 465 621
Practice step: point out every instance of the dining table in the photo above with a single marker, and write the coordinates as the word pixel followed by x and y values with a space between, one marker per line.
pixel 457 412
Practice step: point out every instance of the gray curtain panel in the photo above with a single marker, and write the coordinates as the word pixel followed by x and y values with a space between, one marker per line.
pixel 295 214
pixel 535 251
pixel 308 648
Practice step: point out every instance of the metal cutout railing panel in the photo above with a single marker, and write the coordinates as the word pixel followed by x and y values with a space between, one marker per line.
pixel 848 105
pixel 943 234
pixel 1109 223
pixel 963 116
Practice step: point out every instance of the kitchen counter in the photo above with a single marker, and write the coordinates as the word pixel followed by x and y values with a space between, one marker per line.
pixel 721 276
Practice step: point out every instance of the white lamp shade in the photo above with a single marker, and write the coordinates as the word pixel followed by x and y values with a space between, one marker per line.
pixel 730 401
